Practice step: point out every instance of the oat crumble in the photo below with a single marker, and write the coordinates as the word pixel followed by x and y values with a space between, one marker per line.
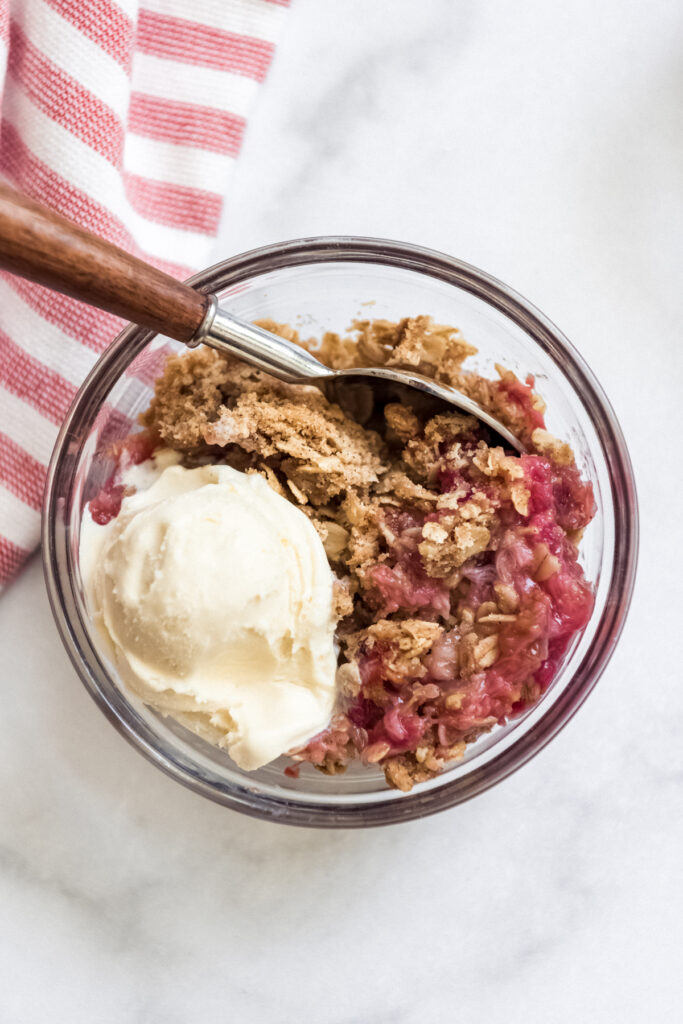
pixel 458 588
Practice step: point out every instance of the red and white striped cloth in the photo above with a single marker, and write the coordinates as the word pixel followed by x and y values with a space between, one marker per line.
pixel 126 117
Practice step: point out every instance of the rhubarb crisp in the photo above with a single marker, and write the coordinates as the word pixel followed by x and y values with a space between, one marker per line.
pixel 458 582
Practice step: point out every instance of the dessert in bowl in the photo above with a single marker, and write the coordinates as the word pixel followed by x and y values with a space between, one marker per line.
pixel 466 617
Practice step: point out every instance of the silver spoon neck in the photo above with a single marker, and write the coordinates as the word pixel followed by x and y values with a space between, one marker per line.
pixel 256 346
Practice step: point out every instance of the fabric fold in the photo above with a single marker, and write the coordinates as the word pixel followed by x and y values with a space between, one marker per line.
pixel 126 117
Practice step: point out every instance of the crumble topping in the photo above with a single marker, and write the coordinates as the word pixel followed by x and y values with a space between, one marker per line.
pixel 406 641
pixel 314 449
pixel 459 588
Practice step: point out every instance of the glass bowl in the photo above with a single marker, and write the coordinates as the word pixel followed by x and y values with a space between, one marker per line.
pixel 322 284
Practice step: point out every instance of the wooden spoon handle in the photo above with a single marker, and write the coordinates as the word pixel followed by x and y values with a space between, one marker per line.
pixel 43 246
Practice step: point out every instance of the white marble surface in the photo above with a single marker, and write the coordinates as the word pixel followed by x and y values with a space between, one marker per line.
pixel 539 141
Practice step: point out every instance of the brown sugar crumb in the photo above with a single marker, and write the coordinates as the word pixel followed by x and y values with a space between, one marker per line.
pixel 408 770
pixel 362 519
pixel 402 423
pixel 559 451
pixel 494 463
pixel 404 772
pixel 342 599
pixel 421 454
pixel 320 450
pixel 416 342
pixel 404 643
pixel 187 396
pixel 451 540
pixel 398 486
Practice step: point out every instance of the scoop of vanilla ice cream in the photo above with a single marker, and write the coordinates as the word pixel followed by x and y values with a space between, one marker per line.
pixel 215 597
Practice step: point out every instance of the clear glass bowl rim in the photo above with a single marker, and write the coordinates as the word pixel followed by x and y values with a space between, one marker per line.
pixel 350 249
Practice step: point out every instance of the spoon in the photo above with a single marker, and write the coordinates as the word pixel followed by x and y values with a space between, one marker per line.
pixel 41 245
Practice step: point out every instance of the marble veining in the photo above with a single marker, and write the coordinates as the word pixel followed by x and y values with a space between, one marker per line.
pixel 542 142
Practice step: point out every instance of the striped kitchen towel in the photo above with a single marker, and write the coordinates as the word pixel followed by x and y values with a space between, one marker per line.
pixel 124 115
